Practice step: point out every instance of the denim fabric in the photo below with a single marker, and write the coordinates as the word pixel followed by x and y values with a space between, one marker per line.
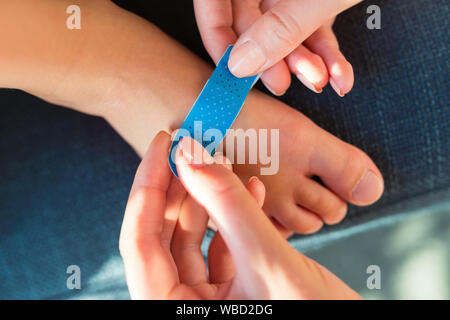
pixel 65 176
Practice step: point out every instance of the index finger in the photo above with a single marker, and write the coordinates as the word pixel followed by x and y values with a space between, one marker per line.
pixel 280 30
pixel 215 23
pixel 243 225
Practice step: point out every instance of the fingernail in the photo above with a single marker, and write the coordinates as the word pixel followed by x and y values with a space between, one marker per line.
pixel 246 59
pixel 193 153
pixel 368 189
pixel 307 84
pixel 253 178
pixel 278 94
pixel 336 88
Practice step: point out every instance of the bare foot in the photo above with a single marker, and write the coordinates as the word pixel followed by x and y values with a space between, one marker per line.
pixel 294 199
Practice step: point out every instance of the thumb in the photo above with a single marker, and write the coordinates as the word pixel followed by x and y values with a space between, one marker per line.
pixel 246 230
pixel 279 31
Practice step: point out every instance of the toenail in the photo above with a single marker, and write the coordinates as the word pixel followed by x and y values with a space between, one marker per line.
pixel 368 189
pixel 342 213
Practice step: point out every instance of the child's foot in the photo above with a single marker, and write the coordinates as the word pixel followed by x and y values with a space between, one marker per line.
pixel 296 201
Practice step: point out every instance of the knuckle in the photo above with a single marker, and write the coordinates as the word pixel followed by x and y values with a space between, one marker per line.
pixel 284 26
pixel 184 247
pixel 326 43
pixel 225 189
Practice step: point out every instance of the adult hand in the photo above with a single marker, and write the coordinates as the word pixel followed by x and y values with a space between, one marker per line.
pixel 278 36
pixel 248 258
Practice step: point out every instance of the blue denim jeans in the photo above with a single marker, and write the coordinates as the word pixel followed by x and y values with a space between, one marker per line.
pixel 65 176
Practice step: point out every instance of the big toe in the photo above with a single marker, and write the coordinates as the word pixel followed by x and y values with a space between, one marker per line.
pixel 347 170
pixel 368 189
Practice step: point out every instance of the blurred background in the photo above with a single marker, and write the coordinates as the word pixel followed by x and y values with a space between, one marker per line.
pixel 413 256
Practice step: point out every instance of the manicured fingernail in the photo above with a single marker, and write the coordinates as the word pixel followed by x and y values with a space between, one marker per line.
pixel 308 84
pixel 246 60
pixel 336 88
pixel 193 153
pixel 368 189
pixel 278 94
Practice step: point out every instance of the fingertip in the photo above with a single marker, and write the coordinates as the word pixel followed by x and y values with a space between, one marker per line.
pixel 313 87
pixel 324 43
pixel 197 168
pixel 277 78
pixel 309 68
pixel 162 138
pixel 257 190
pixel 341 76
pixel 155 156
pixel 246 59
pixel 190 151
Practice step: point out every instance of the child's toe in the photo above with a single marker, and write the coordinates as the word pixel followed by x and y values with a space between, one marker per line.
pixel 320 200
pixel 296 218
pixel 347 170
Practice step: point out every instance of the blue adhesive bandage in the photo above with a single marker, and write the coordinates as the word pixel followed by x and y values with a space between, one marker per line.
pixel 216 107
